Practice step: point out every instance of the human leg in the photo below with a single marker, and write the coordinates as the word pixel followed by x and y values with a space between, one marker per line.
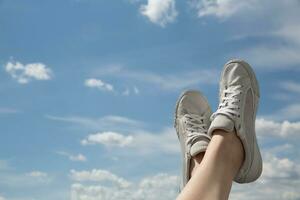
pixel 212 179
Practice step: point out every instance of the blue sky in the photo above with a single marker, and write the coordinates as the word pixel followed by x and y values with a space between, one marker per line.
pixel 88 91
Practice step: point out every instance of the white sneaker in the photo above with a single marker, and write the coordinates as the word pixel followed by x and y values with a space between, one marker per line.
pixel 192 119
pixel 239 95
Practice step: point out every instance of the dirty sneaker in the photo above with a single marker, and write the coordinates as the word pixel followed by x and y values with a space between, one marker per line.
pixel 239 96
pixel 192 120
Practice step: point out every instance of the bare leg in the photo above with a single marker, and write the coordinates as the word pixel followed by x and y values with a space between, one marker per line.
pixel 212 179
pixel 195 163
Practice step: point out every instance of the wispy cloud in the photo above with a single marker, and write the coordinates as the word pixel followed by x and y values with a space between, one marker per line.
pixel 138 142
pixel 160 12
pixel 108 139
pixel 4 165
pixel 77 158
pixel 158 187
pixel 284 27
pixel 23 180
pixel 273 56
pixel 288 112
pixel 99 84
pixel 110 122
pixel 129 91
pixel 24 73
pixel 285 129
pixel 170 81
pixel 37 174
pixel 98 175
pixel 5 110
pixel 219 8
pixel 291 86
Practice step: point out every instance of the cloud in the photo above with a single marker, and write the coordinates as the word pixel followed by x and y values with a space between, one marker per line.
pixel 279 181
pixel 280 45
pixel 2 198
pixel 108 139
pixel 99 84
pixel 220 8
pixel 139 142
pixel 164 141
pixel 170 81
pixel 37 174
pixel 24 73
pixel 279 168
pixel 291 86
pixel 79 157
pixel 4 110
pixel 127 91
pixel 272 56
pixel 109 122
pixel 158 187
pixel 160 12
pixel 99 175
pixel 136 90
pixel 285 129
pixel 289 112
pixel 24 180
pixel 4 165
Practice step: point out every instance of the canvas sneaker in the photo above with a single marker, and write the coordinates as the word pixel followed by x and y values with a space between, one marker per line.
pixel 239 96
pixel 192 120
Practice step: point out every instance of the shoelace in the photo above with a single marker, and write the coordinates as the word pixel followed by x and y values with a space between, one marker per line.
pixel 195 127
pixel 229 105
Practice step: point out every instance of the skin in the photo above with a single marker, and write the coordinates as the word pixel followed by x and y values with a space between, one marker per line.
pixel 212 173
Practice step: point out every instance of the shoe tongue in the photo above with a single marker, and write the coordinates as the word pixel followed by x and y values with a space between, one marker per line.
pixel 222 122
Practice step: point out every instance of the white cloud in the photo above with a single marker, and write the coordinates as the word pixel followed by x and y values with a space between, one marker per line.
pixel 25 73
pixel 170 81
pixel 4 110
pixel 275 168
pixel 99 84
pixel 291 86
pixel 289 112
pixel 220 8
pixel 283 28
pixel 279 180
pixel 2 198
pixel 108 139
pixel 283 129
pixel 99 175
pixel 136 90
pixel 272 56
pixel 79 157
pixel 109 122
pixel 140 141
pixel 4 165
pixel 37 174
pixel 127 91
pixel 164 141
pixel 160 12
pixel 158 187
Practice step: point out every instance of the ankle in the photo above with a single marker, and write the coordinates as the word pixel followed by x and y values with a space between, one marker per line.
pixel 195 162
pixel 230 149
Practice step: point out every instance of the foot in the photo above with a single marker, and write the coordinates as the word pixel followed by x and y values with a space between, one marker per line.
pixel 191 122
pixel 239 95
